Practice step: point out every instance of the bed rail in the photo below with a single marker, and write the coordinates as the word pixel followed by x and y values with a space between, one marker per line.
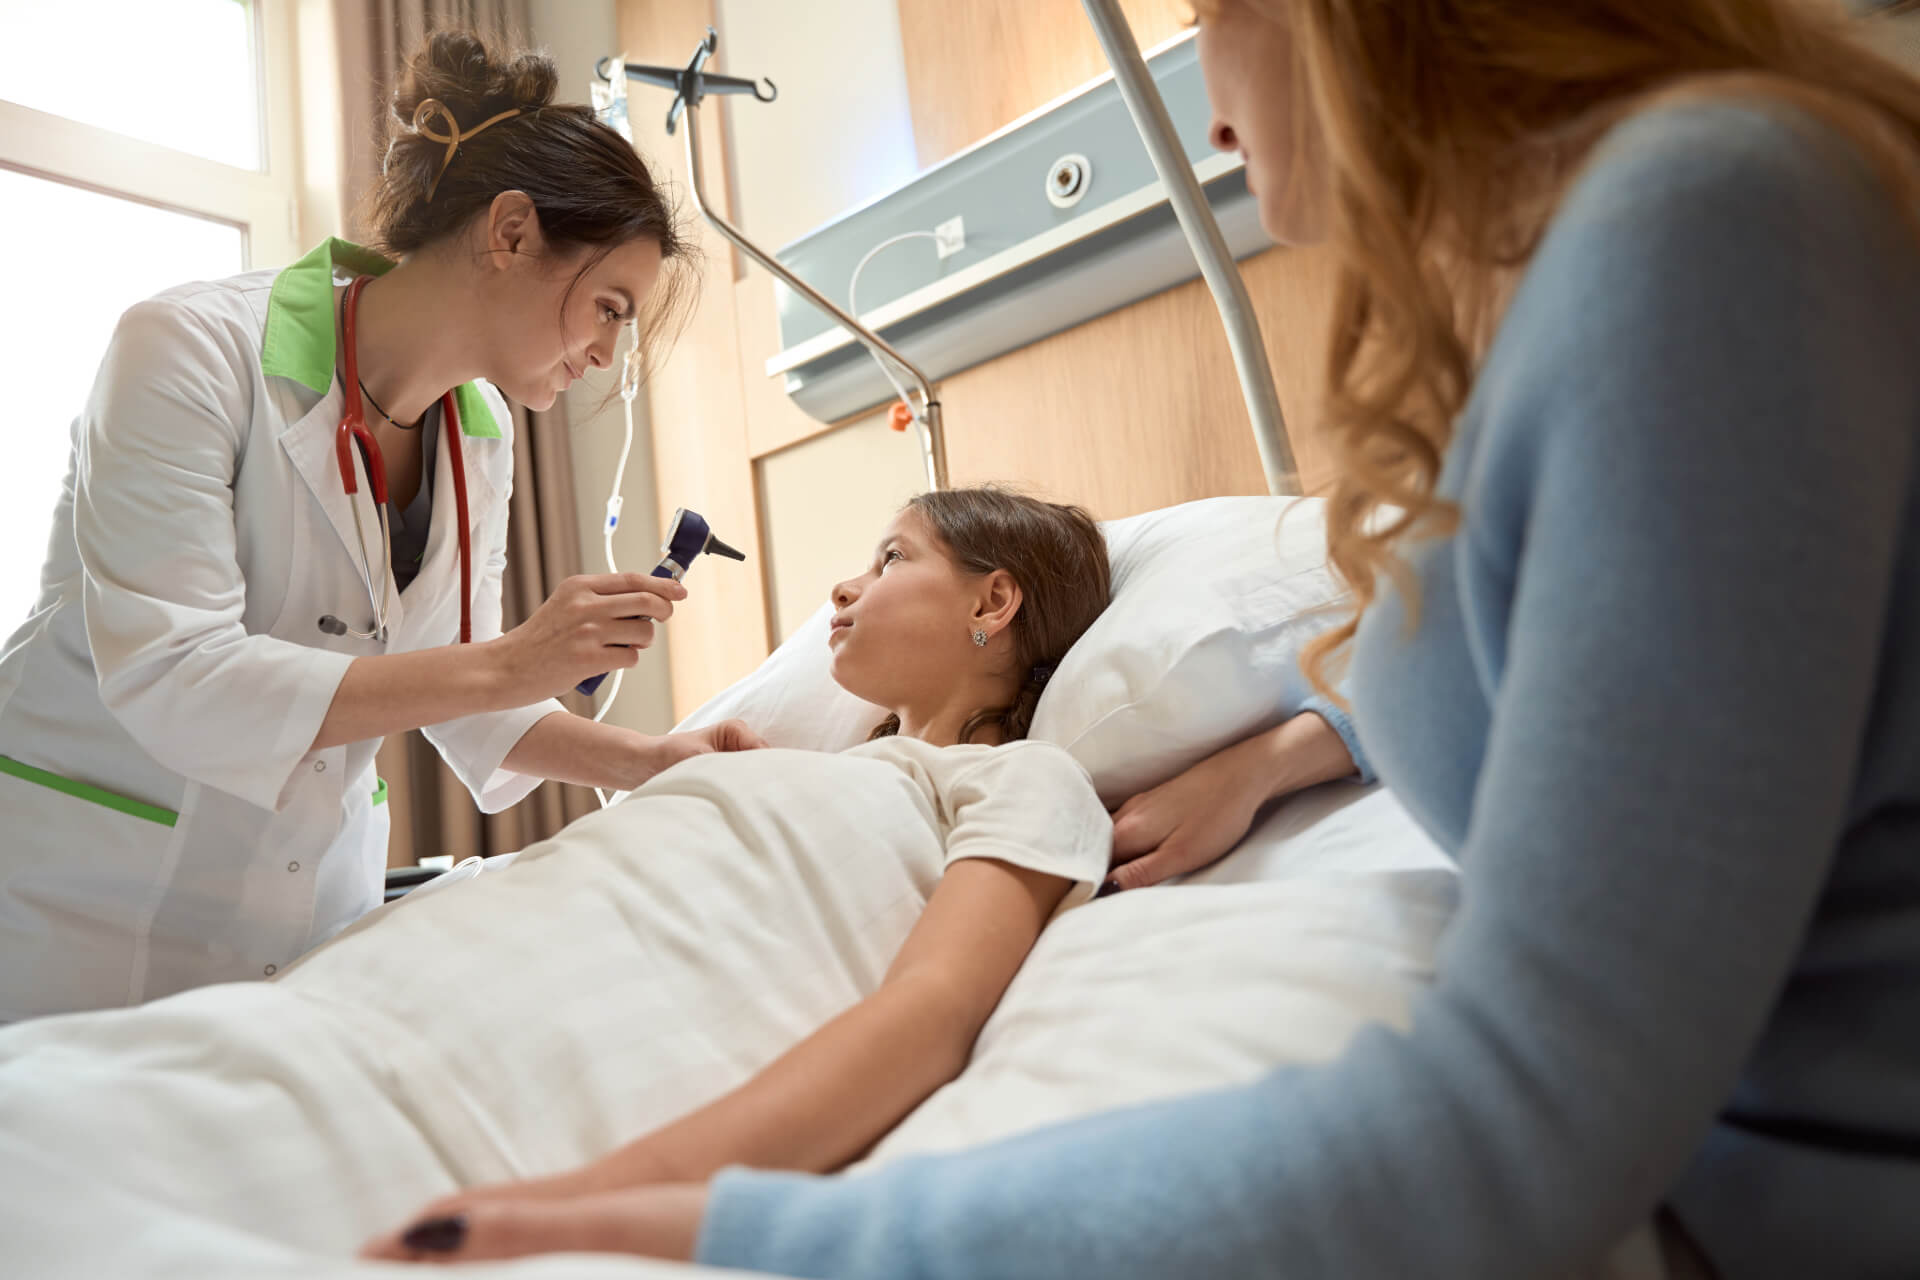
pixel 1203 234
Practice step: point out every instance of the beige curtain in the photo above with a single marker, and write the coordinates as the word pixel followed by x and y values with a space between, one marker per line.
pixel 431 811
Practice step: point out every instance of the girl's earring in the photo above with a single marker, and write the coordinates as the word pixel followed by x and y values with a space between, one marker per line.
pixel 979 638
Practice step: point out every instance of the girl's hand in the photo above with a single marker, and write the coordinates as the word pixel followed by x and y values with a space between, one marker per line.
pixel 660 1221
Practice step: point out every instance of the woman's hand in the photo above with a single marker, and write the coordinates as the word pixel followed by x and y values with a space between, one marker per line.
pixel 1187 822
pixel 660 1221
pixel 1196 818
pixel 591 624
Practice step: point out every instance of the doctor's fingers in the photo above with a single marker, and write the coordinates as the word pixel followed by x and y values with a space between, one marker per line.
pixel 624 584
pixel 637 604
pixel 625 633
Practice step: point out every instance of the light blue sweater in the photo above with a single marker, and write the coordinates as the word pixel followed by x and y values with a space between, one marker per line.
pixel 1663 702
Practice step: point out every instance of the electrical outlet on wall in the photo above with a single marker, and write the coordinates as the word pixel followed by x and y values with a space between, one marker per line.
pixel 950 237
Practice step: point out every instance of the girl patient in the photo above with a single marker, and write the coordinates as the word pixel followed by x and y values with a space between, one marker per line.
pixel 970 599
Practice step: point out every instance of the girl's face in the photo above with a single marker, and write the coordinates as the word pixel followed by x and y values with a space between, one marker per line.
pixel 904 627
pixel 1247 60
pixel 545 326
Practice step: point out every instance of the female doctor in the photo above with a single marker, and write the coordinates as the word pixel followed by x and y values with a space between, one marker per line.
pixel 188 718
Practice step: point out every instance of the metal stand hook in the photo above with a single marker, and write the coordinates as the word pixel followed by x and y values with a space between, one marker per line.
pixel 690 85
pixel 692 82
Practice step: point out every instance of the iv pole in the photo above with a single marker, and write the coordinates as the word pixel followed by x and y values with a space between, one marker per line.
pixel 690 85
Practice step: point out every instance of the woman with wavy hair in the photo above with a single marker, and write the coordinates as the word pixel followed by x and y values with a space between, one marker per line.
pixel 1626 425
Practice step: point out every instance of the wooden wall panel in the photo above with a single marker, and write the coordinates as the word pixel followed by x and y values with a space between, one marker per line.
pixel 774 421
pixel 976 65
pixel 1141 408
pixel 701 455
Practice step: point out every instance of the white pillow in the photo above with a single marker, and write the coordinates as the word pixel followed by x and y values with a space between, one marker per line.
pixel 1276 956
pixel 792 699
pixel 1212 602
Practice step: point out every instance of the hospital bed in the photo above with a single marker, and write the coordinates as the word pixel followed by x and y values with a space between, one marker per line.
pixel 211 1134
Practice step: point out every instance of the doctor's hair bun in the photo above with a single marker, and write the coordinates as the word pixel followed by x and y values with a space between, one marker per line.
pixel 456 68
pixel 467 122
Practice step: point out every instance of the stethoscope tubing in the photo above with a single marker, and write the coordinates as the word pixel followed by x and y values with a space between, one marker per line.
pixel 353 428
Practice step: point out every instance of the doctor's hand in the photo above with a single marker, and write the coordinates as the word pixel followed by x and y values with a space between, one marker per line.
pixel 591 624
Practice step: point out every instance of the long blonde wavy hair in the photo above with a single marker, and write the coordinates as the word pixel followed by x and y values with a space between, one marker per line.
pixel 1449 129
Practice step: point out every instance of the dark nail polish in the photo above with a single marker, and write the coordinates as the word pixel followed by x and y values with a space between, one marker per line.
pixel 437 1235
pixel 1107 886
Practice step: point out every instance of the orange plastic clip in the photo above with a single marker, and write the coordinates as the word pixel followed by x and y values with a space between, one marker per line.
pixel 900 416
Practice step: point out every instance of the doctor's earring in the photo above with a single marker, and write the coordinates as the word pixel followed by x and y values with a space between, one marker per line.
pixel 979 638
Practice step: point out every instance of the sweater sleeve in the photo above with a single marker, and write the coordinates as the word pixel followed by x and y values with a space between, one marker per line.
pixel 1700 425
pixel 1341 722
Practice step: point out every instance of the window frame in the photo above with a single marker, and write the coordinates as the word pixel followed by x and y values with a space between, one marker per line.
pixel 263 203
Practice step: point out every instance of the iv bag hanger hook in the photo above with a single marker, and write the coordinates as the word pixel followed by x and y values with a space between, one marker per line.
pixel 689 86
pixel 693 82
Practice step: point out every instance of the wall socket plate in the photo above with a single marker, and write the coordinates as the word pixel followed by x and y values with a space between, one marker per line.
pixel 950 237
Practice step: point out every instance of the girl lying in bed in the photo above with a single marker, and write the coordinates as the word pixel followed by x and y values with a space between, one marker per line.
pixel 764 958
pixel 971 598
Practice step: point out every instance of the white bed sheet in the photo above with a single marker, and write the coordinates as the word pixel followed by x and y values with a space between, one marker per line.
pixel 1325 920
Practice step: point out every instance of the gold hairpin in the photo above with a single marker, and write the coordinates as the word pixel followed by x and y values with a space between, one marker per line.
pixel 453 137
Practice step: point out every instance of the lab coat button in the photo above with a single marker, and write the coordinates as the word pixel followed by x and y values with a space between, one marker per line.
pixel 319 766
pixel 272 969
pixel 293 866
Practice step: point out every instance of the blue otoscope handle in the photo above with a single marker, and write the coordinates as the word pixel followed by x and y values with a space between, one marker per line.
pixel 591 683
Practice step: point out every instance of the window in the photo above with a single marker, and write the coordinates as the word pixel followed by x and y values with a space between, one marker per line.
pixel 179 73
pixel 64 307
pixel 143 143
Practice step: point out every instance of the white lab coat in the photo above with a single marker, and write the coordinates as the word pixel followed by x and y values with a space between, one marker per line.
pixel 174 658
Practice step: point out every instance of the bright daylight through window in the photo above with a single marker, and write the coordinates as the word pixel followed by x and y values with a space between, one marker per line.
pixel 133 157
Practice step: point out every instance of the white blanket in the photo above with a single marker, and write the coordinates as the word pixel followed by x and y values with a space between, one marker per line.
pixel 626 971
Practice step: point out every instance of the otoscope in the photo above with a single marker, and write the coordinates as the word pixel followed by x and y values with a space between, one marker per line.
pixel 687 538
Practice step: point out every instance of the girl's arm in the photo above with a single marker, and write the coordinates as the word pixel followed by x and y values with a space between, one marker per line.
pixel 830 1097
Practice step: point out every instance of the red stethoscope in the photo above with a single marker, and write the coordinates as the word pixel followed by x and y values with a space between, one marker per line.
pixel 353 426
